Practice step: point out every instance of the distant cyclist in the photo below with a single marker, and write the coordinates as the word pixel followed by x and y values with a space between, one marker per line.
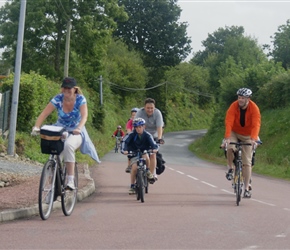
pixel 242 122
pixel 119 132
pixel 141 140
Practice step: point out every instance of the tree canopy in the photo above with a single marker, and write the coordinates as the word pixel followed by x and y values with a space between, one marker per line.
pixel 154 30
pixel 45 33
pixel 281 43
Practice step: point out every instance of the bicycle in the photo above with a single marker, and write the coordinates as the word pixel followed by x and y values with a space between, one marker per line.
pixel 141 185
pixel 238 176
pixel 54 174
pixel 118 144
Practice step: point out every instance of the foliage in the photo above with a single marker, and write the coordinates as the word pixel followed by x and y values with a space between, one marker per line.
pixel 227 54
pixel 191 82
pixel 124 71
pixel 45 34
pixel 275 93
pixel 281 45
pixel 154 30
pixel 34 94
pixel 254 77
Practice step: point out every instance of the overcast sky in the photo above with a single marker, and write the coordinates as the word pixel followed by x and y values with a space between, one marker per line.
pixel 260 19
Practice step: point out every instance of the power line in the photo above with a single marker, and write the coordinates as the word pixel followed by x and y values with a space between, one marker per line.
pixel 60 6
pixel 116 86
pixel 134 89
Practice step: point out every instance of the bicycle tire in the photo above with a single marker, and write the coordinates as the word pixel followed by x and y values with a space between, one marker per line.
pixel 69 197
pixel 137 187
pixel 141 189
pixel 46 189
pixel 238 188
pixel 146 183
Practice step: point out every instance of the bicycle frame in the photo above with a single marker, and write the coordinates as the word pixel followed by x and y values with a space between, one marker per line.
pixel 238 175
pixel 141 184
pixel 52 184
pixel 118 144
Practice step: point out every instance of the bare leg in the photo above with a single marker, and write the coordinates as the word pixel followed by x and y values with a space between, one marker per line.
pixel 133 173
pixel 247 171
pixel 152 163
pixel 230 157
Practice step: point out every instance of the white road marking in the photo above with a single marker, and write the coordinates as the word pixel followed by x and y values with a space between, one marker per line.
pixel 206 183
pixel 224 190
pixel 192 177
pixel 282 235
pixel 181 145
pixel 227 191
pixel 263 202
pixel 286 209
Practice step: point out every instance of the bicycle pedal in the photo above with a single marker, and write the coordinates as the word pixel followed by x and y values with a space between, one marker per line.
pixel 151 181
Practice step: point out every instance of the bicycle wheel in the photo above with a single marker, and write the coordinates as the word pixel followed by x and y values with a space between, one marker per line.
pixel 116 148
pixel 46 189
pixel 238 188
pixel 141 188
pixel 68 196
pixel 146 185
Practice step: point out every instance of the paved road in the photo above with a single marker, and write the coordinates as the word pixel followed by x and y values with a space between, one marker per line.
pixel 192 206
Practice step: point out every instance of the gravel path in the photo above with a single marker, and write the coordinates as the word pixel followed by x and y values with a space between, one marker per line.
pixel 19 167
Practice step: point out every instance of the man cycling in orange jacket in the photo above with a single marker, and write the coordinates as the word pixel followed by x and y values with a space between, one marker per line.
pixel 242 122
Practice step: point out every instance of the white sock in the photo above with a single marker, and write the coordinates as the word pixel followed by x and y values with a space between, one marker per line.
pixel 70 178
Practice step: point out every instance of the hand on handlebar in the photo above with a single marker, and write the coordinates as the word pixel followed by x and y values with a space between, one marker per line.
pixel 225 143
pixel 35 131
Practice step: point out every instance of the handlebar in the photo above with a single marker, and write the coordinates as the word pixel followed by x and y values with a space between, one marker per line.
pixel 139 152
pixel 64 136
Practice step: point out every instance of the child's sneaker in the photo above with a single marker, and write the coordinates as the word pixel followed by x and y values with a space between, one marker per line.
pixel 132 190
pixel 150 176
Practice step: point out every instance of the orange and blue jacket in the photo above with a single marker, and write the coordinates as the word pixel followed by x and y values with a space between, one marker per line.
pixel 252 120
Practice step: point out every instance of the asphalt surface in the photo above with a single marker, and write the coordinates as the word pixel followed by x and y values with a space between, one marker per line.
pixel 191 206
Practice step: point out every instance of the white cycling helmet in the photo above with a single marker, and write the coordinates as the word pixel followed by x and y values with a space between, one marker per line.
pixel 244 92
pixel 138 122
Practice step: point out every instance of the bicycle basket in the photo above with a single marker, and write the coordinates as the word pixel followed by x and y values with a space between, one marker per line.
pixel 51 142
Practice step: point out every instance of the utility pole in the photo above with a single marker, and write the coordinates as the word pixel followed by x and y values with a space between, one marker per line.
pixel 15 95
pixel 67 44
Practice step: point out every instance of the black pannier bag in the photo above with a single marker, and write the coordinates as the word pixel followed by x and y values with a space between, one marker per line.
pixel 160 164
pixel 51 142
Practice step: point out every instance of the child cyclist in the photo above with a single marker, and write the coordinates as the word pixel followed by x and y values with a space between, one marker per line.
pixel 118 132
pixel 141 140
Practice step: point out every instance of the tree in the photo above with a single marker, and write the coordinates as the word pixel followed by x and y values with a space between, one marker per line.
pixel 189 82
pixel 281 44
pixel 124 71
pixel 45 34
pixel 154 30
pixel 228 44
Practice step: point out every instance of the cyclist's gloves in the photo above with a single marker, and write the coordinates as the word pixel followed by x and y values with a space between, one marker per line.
pixel 35 131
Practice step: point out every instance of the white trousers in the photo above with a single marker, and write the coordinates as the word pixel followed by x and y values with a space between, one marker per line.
pixel 71 144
